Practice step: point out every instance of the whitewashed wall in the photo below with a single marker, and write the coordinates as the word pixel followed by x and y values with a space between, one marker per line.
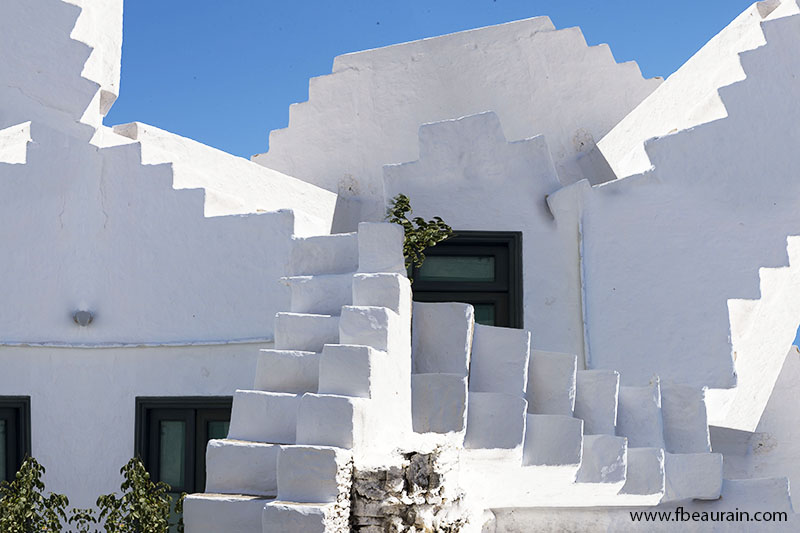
pixel 773 449
pixel 83 402
pixel 366 113
pixel 670 253
pixel 476 180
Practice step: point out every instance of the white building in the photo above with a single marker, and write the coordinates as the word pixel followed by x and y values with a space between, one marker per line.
pixel 622 267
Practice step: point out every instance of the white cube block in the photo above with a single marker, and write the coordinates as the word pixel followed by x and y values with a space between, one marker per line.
pixel 639 416
pixel 553 440
pixel 323 294
pixel 645 473
pixel 551 383
pixel 347 370
pixel 259 416
pixel 383 290
pixel 287 371
pixel 596 396
pixel 324 254
pixel 604 459
pixel 231 513
pixel 692 476
pixel 329 420
pixel 305 332
pixel 683 411
pixel 313 474
pixel 369 326
pixel 495 421
pixel 380 247
pixel 441 338
pixel 241 467
pixel 439 403
pixel 288 517
pixel 499 360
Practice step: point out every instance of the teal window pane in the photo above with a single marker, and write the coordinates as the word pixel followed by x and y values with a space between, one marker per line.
pixel 172 453
pixel 3 441
pixel 218 429
pixel 457 268
pixel 484 314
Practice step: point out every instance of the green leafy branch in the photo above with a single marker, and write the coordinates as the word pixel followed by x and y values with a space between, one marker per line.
pixel 419 234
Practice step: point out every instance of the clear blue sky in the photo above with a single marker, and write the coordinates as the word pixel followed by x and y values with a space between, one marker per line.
pixel 224 73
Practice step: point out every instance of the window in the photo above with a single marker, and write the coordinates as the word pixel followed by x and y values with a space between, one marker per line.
pixel 15 434
pixel 476 267
pixel 171 437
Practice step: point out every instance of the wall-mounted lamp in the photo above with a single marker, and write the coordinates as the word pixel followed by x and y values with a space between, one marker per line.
pixel 83 318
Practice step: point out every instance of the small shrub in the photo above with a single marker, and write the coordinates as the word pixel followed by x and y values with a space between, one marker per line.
pixel 143 507
pixel 419 234
pixel 23 506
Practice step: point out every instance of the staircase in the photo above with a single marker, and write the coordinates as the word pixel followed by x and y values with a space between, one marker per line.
pixel 560 438
pixel 347 382
pixel 335 389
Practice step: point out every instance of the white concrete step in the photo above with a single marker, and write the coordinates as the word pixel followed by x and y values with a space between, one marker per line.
pixel 325 254
pixel 287 371
pixel 314 474
pixel 331 420
pixel 352 370
pixel 441 338
pixel 683 411
pixel 380 247
pixel 305 332
pixel 241 467
pixel 321 293
pixel 291 517
pixel 495 421
pixel 259 416
pixel 644 483
pixel 378 327
pixel 499 360
pixel 639 416
pixel 392 291
pixel 692 476
pixel 596 396
pixel 604 460
pixel 553 440
pixel 439 403
pixel 231 513
pixel 551 383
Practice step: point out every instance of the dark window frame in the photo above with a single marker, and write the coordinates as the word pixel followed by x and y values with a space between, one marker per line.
pixel 506 290
pixel 16 409
pixel 196 411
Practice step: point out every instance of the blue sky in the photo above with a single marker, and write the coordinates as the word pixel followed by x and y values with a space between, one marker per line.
pixel 224 73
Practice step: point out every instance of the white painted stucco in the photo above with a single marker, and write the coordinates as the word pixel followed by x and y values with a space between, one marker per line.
pixel 366 113
pixel 639 292
pixel 83 402
pixel 495 185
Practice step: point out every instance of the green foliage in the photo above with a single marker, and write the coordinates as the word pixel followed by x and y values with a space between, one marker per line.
pixel 419 233
pixel 23 506
pixel 143 507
